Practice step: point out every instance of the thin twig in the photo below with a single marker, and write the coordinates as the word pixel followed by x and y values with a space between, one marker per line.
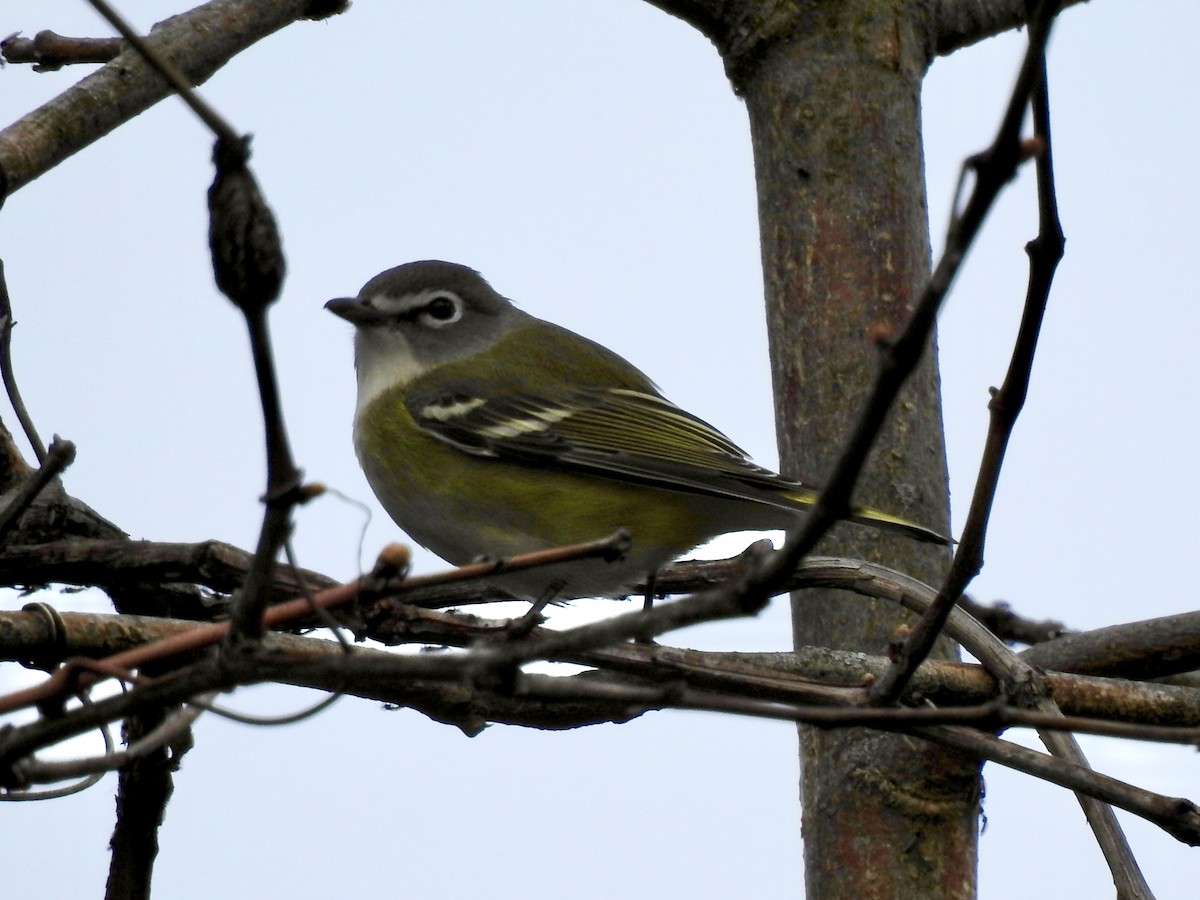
pixel 200 41
pixel 33 771
pixel 144 787
pixel 120 562
pixel 49 51
pixel 833 707
pixel 1009 625
pixel 209 116
pixel 21 796
pixel 408 669
pixel 31 635
pixel 268 721
pixel 222 567
pixel 210 634
pixel 1177 816
pixel 283 489
pixel 247 257
pixel 1045 251
pixel 1028 688
pixel 1005 407
pixel 993 169
pixel 10 379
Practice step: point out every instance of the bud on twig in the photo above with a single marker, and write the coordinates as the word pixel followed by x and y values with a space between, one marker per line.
pixel 246 250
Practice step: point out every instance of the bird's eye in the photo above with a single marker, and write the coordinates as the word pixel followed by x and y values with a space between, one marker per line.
pixel 441 310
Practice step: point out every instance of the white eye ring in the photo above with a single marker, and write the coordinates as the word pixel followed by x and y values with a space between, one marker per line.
pixel 440 309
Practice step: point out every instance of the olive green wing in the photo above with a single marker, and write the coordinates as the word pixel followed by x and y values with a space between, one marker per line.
pixel 618 433
pixel 626 434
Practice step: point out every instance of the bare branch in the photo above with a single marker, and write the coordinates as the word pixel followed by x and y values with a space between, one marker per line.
pixel 222 129
pixel 199 42
pixel 993 169
pixel 1152 648
pixel 706 16
pixel 955 23
pixel 960 23
pixel 49 51
pixel 6 371
pixel 1011 626
pixel 126 563
pixel 810 675
pixel 164 735
pixel 1177 816
pixel 60 455
pixel 144 788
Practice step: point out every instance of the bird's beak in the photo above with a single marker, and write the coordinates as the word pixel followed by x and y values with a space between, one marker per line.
pixel 355 311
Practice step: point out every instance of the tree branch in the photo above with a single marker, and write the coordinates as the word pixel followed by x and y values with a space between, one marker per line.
pixel 60 455
pixel 993 168
pixel 49 51
pixel 1152 648
pixel 960 23
pixel 807 675
pixel 145 786
pixel 198 42
pixel 6 372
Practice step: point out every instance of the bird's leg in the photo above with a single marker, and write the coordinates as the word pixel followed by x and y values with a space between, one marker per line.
pixel 648 604
pixel 524 625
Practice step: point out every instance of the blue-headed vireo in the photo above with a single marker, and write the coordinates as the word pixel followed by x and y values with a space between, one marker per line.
pixel 485 431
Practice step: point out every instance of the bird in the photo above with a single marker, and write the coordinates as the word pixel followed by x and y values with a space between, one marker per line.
pixel 486 432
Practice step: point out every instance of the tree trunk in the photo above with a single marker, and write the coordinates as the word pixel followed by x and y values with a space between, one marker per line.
pixel 833 91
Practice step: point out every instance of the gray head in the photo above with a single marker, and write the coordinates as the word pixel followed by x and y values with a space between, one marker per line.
pixel 419 315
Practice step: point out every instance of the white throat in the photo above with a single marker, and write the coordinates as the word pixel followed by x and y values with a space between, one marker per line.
pixel 382 365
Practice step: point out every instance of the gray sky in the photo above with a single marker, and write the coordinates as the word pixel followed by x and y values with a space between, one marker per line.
pixel 591 161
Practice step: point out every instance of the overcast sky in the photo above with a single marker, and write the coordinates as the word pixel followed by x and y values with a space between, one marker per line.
pixel 591 160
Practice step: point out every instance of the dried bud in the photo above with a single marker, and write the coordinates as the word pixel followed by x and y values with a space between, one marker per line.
pixel 393 561
pixel 1032 147
pixel 311 491
pixel 896 641
pixel 246 250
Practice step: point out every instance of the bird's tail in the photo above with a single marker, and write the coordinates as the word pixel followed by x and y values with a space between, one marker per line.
pixel 865 515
